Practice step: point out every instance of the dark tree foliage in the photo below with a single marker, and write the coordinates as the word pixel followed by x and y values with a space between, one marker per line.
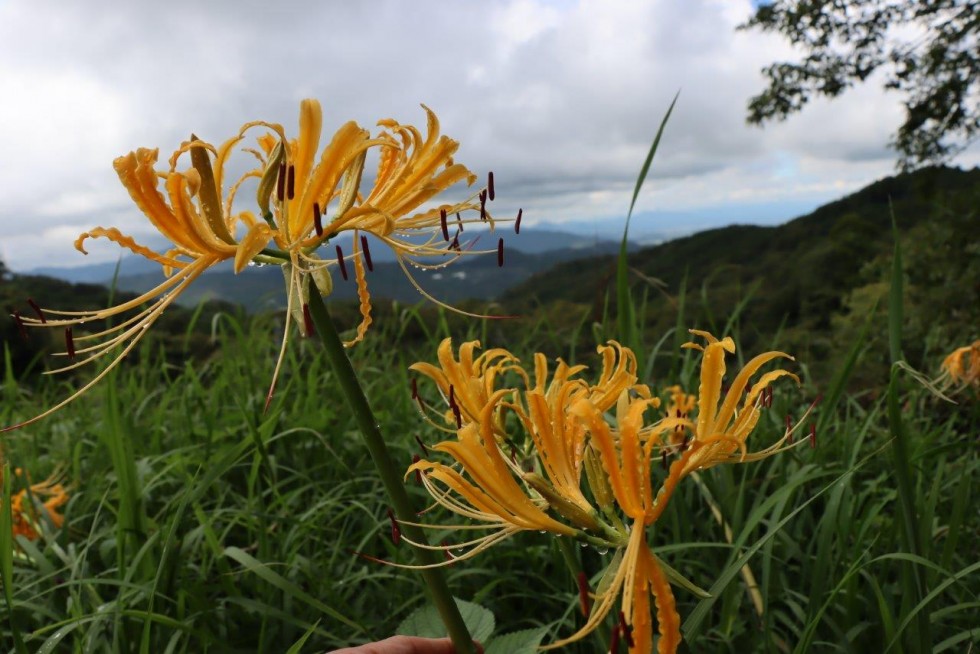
pixel 928 49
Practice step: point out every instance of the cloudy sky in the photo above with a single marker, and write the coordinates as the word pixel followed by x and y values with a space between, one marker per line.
pixel 560 98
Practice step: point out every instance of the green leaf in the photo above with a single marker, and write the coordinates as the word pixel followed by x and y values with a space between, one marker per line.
pixel 525 641
pixel 425 622
pixel 895 297
pixel 298 645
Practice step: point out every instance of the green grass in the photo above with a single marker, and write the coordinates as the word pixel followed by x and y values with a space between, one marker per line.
pixel 199 523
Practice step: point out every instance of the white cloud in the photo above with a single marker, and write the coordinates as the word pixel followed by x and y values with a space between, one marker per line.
pixel 560 98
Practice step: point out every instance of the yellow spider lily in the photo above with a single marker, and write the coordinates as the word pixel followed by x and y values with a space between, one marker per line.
pixel 721 430
pixel 492 495
pixel 466 383
pixel 195 210
pixel 497 492
pixel 636 573
pixel 962 366
pixel 560 413
pixel 565 420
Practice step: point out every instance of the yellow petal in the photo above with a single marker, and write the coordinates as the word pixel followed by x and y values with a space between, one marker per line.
pixel 255 240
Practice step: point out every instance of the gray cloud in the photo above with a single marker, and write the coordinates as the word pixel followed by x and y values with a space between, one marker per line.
pixel 561 99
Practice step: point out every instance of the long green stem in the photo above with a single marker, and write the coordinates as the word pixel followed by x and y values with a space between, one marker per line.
pixel 391 475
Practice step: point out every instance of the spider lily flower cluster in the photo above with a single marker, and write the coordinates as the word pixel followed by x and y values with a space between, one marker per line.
pixel 305 197
pixel 35 503
pixel 549 451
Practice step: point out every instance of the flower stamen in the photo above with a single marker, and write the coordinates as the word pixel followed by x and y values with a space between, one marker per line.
pixel 367 253
pixel 317 219
pixel 396 532
pixel 37 310
pixel 517 223
pixel 340 262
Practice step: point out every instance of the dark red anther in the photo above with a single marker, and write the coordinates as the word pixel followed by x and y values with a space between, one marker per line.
pixel 20 324
pixel 69 343
pixel 614 642
pixel 445 549
pixel 37 310
pixel 418 473
pixel 367 253
pixel 455 244
pixel 513 455
pixel 789 422
pixel 317 219
pixel 308 320
pixel 422 444
pixel 626 630
pixel 445 225
pixel 458 416
pixel 459 222
pixel 583 593
pixel 281 182
pixel 500 253
pixel 415 389
pixel 483 205
pixel 291 182
pixel 813 436
pixel 452 396
pixel 396 532
pixel 517 223
pixel 663 459
pixel 769 393
pixel 490 192
pixel 340 261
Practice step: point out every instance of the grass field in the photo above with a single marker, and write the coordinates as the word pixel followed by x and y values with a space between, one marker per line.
pixel 197 522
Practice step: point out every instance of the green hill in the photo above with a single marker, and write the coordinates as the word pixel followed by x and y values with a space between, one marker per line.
pixel 810 280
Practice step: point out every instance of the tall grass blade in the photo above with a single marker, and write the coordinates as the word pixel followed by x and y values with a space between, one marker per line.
pixel 900 446
pixel 625 309
pixel 7 557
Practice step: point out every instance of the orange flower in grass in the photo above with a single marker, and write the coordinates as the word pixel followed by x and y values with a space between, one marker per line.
pixel 195 210
pixel 962 367
pixel 37 502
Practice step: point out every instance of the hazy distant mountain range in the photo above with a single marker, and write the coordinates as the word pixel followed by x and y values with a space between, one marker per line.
pixel 478 277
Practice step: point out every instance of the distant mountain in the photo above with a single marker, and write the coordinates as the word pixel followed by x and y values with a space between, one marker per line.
pixel 476 277
pixel 530 241
pixel 532 251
